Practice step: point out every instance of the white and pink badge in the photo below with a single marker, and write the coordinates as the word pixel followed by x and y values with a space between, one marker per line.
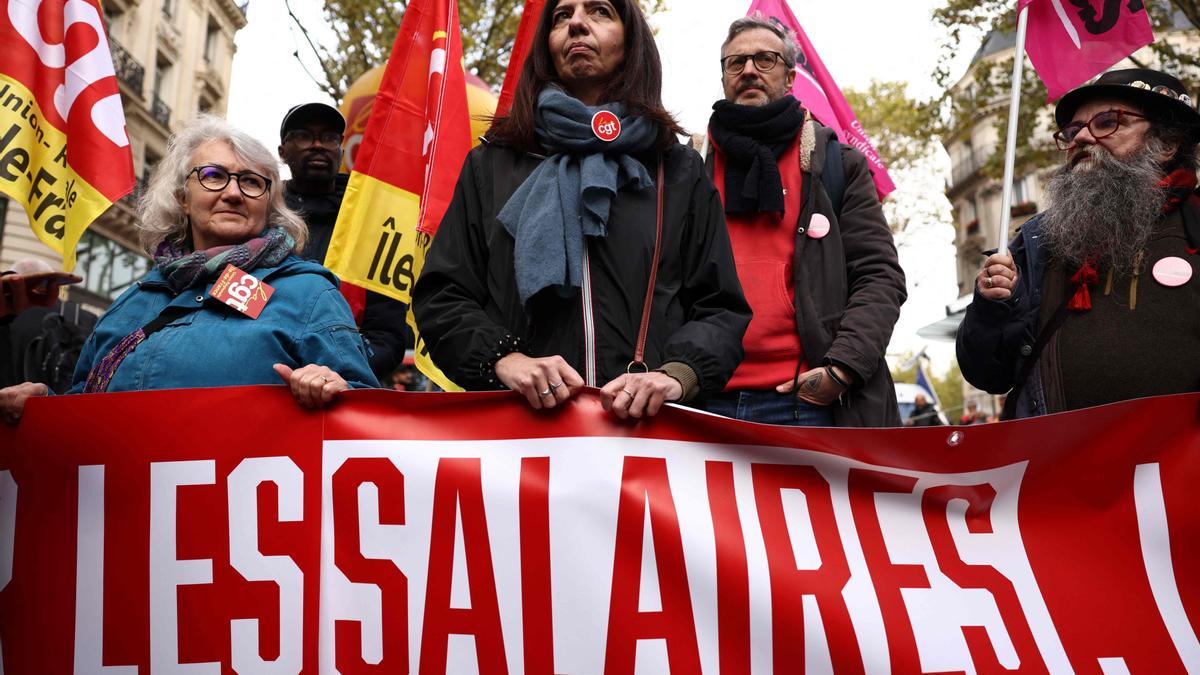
pixel 1172 271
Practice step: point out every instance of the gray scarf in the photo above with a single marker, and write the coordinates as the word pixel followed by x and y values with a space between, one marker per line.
pixel 569 195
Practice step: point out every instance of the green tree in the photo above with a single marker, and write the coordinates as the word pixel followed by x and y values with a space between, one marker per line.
pixel 898 124
pixel 363 32
pixel 899 128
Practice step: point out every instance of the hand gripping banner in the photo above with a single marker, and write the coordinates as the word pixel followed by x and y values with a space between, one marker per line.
pixel 229 531
pixel 64 151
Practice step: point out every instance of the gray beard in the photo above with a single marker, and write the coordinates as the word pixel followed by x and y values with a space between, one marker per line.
pixel 1104 213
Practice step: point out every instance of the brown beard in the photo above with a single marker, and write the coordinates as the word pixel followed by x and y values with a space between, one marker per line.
pixel 1104 212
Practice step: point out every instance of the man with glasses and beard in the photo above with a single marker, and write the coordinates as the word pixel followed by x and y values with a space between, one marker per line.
pixel 311 146
pixel 813 251
pixel 1097 301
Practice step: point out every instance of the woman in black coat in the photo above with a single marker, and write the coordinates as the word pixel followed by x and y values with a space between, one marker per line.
pixel 539 275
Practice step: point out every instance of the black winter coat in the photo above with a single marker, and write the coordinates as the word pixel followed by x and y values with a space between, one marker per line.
pixel 849 284
pixel 466 302
pixel 383 322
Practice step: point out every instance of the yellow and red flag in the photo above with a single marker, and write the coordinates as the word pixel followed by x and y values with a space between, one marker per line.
pixel 64 150
pixel 408 163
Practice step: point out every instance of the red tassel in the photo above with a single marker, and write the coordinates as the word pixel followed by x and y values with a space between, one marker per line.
pixel 1086 276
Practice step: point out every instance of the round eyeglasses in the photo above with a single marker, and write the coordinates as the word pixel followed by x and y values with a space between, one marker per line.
pixel 764 62
pixel 214 179
pixel 1102 125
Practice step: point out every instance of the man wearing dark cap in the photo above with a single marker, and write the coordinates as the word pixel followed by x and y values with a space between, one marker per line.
pixel 1098 300
pixel 310 144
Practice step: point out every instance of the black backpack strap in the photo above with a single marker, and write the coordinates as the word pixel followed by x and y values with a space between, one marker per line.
pixel 833 176
pixel 1010 402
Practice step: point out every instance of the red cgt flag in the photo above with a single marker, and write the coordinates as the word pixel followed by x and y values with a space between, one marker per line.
pixel 1071 41
pixel 64 151
pixel 407 165
pixel 516 61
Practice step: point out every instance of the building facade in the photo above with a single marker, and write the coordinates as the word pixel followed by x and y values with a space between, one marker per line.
pixel 173 60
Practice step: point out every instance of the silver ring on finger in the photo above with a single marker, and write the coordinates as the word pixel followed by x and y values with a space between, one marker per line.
pixel 630 393
pixel 544 393
pixel 988 282
pixel 327 378
pixel 555 385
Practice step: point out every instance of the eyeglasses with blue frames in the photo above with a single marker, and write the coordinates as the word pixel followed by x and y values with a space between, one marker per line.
pixel 214 179
pixel 1101 125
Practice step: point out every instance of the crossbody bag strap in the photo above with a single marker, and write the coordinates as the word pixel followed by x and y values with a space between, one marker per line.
pixel 1043 338
pixel 639 352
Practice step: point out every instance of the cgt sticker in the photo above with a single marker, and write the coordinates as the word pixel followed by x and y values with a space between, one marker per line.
pixel 606 126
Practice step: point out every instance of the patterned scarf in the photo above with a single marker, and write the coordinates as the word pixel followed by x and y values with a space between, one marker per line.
pixel 182 269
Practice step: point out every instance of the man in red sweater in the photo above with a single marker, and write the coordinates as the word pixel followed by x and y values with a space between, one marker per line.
pixel 820 271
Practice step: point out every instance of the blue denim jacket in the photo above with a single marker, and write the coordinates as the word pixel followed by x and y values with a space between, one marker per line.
pixel 305 321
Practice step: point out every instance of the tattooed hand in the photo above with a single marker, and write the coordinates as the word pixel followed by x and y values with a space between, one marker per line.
pixel 815 386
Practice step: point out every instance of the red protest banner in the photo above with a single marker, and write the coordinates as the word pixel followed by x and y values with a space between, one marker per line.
pixel 388 533
pixel 64 151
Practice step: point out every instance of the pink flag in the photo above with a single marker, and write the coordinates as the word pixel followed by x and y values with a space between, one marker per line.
pixel 1071 41
pixel 820 95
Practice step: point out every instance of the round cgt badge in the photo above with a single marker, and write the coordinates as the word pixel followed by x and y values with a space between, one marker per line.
pixel 606 126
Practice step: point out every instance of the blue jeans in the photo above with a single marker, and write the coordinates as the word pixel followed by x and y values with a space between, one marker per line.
pixel 767 407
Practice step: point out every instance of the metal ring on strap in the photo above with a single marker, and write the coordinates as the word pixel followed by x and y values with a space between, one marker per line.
pixel 636 363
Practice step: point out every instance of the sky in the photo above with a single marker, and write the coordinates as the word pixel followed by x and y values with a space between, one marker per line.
pixel 859 41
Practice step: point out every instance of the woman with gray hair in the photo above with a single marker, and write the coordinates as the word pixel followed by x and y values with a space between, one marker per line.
pixel 228 301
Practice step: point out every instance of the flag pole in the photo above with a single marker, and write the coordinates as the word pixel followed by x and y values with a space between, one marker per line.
pixel 1010 150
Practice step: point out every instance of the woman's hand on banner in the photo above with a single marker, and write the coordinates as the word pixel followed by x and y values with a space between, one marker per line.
pixel 640 395
pixel 312 386
pixel 544 382
pixel 12 399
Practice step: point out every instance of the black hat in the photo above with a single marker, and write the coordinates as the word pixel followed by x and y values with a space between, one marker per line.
pixel 304 112
pixel 1160 97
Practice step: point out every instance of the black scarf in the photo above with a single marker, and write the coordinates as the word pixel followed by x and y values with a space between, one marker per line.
pixel 753 138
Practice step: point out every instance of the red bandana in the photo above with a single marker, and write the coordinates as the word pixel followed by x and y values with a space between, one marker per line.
pixel 1181 185
pixel 1086 276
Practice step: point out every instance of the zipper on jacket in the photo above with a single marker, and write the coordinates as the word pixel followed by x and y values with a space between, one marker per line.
pixel 589 322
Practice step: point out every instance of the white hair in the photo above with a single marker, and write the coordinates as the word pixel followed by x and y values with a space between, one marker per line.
pixel 159 209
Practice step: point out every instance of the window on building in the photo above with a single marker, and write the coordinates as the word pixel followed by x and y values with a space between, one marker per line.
pixel 1021 191
pixel 161 70
pixel 108 268
pixel 210 42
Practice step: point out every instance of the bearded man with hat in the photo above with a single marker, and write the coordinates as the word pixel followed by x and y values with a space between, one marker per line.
pixel 310 143
pixel 1098 300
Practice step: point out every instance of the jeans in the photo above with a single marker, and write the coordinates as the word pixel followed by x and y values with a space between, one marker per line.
pixel 768 407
